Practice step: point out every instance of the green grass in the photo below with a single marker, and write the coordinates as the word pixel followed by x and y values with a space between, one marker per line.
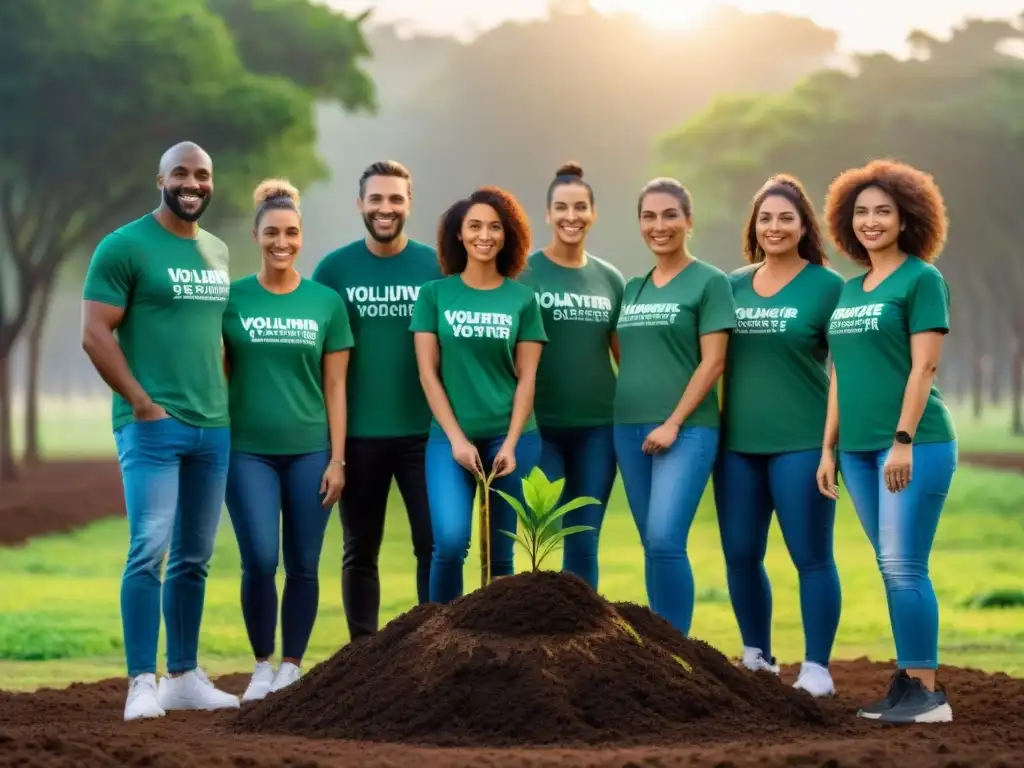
pixel 59 612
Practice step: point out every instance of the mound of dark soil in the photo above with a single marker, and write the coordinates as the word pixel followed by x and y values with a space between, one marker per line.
pixel 471 674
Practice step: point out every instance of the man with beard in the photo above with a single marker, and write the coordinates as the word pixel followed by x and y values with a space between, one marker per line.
pixel 379 277
pixel 153 302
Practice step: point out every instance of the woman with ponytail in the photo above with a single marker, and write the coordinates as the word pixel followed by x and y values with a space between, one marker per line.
pixel 579 296
pixel 287 342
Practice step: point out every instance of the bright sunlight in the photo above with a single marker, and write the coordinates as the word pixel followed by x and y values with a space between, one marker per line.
pixel 671 15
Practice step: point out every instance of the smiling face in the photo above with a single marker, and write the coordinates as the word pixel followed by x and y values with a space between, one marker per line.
pixel 663 224
pixel 279 234
pixel 876 219
pixel 778 226
pixel 482 233
pixel 186 183
pixel 385 206
pixel 570 213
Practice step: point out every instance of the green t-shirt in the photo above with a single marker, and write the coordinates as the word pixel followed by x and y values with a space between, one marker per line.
pixel 869 335
pixel 477 331
pixel 576 376
pixel 275 345
pixel 173 291
pixel 384 393
pixel 775 388
pixel 659 333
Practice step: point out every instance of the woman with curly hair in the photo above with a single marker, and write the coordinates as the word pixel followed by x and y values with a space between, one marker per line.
pixel 673 332
pixel 579 297
pixel 784 299
pixel 479 336
pixel 287 342
pixel 896 441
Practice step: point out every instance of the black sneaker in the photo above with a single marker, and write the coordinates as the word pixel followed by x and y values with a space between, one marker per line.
pixel 919 705
pixel 897 687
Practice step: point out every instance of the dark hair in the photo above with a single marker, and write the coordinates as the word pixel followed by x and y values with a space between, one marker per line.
pixel 570 173
pixel 384 168
pixel 274 195
pixel 921 208
pixel 451 251
pixel 669 186
pixel 789 188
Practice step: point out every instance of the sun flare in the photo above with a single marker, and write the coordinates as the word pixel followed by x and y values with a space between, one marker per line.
pixel 670 15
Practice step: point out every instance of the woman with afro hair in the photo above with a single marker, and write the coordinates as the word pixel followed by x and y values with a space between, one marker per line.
pixel 478 336
pixel 896 440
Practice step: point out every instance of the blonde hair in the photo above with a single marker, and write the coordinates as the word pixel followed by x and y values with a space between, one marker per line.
pixel 275 194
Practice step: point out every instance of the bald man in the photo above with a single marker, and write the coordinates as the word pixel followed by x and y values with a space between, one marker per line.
pixel 161 283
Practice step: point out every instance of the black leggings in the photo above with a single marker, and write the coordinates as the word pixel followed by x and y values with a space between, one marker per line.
pixel 371 464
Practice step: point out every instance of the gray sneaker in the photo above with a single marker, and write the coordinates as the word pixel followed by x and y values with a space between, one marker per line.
pixel 919 705
pixel 897 687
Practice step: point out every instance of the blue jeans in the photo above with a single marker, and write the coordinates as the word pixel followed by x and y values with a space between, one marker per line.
pixel 664 491
pixel 585 457
pixel 901 527
pixel 748 488
pixel 450 489
pixel 265 496
pixel 174 476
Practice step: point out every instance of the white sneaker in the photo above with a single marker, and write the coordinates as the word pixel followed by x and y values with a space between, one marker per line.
pixel 286 675
pixel 142 698
pixel 815 679
pixel 193 690
pixel 259 685
pixel 754 660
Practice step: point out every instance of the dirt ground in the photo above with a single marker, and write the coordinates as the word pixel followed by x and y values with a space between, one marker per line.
pixel 82 726
pixel 60 496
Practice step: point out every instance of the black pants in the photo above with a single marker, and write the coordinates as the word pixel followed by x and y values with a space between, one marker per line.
pixel 371 464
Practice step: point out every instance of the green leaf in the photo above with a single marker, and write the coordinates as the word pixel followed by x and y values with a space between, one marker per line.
pixel 554 494
pixel 534 496
pixel 556 538
pixel 524 517
pixel 569 506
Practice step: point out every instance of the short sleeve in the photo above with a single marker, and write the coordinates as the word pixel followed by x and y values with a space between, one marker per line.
pixel 830 293
pixel 618 285
pixel 424 312
pixel 717 305
pixel 108 279
pixel 928 303
pixel 322 271
pixel 339 329
pixel 531 323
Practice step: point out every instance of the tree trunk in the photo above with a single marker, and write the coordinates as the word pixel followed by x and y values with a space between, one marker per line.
pixel 8 464
pixel 1017 376
pixel 995 382
pixel 37 325
pixel 977 382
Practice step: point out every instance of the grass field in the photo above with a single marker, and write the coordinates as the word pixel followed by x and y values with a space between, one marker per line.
pixel 59 613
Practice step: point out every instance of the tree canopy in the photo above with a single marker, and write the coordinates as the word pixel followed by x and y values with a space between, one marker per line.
pixel 93 91
pixel 953 111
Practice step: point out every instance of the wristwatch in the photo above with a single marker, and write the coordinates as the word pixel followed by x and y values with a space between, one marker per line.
pixel 904 438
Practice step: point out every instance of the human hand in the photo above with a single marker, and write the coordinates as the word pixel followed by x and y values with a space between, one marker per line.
pixel 149 411
pixel 826 476
pixel 504 461
pixel 332 483
pixel 466 454
pixel 661 438
pixel 898 467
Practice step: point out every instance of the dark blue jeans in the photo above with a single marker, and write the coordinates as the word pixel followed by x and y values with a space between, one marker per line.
pixel 748 488
pixel 275 504
pixel 901 527
pixel 664 491
pixel 450 488
pixel 174 477
pixel 585 457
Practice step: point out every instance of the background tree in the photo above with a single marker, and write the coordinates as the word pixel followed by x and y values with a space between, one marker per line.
pixel 95 90
pixel 955 110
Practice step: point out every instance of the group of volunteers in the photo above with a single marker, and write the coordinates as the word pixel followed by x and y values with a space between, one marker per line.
pixel 280 395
